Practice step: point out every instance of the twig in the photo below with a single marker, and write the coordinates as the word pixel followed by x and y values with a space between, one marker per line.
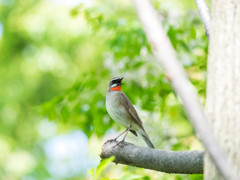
pixel 165 54
pixel 205 15
pixel 182 162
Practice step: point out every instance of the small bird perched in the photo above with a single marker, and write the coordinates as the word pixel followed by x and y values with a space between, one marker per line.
pixel 121 110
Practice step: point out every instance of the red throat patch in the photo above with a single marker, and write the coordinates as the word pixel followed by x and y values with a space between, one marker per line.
pixel 117 88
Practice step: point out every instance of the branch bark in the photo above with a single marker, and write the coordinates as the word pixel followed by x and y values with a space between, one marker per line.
pixel 205 15
pixel 182 162
pixel 166 55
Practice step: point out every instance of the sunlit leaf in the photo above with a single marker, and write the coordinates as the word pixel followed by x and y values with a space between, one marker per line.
pixel 103 165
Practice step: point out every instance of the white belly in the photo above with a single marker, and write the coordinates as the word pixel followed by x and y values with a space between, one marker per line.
pixel 117 112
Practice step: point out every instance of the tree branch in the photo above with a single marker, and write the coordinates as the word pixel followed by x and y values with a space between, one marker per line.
pixel 182 162
pixel 205 15
pixel 165 54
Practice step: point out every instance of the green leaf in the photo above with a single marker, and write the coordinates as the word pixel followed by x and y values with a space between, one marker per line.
pixel 103 165
pixel 131 177
pixel 91 171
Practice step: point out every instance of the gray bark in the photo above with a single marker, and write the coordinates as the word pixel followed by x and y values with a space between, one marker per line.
pixel 223 87
pixel 183 162
pixel 166 55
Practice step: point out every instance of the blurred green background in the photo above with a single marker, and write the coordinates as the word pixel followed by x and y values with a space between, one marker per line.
pixel 56 59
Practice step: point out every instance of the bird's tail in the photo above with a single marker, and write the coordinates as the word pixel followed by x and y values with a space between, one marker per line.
pixel 146 138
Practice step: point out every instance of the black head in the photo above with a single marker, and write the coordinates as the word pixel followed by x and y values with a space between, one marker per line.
pixel 115 82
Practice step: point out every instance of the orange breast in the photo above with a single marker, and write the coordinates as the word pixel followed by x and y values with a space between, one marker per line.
pixel 117 88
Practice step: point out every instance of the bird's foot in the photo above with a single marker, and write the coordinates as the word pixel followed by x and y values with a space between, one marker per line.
pixel 111 140
pixel 120 142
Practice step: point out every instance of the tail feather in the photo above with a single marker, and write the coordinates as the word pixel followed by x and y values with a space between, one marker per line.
pixel 146 138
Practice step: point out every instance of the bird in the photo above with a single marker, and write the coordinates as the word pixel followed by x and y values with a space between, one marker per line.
pixel 121 110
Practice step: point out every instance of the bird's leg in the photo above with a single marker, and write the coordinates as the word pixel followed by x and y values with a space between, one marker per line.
pixel 120 134
pixel 127 130
pixel 126 134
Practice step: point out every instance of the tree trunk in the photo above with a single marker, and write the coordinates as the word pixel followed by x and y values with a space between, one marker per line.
pixel 223 86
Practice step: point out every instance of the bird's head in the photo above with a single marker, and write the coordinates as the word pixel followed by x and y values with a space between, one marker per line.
pixel 115 84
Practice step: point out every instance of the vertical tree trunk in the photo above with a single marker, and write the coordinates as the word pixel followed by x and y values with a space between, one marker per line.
pixel 223 86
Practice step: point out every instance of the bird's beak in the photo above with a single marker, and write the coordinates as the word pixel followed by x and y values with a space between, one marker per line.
pixel 120 81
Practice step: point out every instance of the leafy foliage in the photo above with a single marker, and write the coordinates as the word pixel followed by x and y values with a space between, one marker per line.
pixel 101 167
pixel 56 62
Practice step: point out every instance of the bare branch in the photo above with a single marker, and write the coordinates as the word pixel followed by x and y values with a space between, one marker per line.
pixel 165 54
pixel 205 15
pixel 182 162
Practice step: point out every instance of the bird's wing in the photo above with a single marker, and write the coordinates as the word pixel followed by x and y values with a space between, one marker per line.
pixel 126 103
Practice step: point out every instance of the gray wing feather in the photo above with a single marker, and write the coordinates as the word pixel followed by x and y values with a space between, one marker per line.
pixel 126 103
